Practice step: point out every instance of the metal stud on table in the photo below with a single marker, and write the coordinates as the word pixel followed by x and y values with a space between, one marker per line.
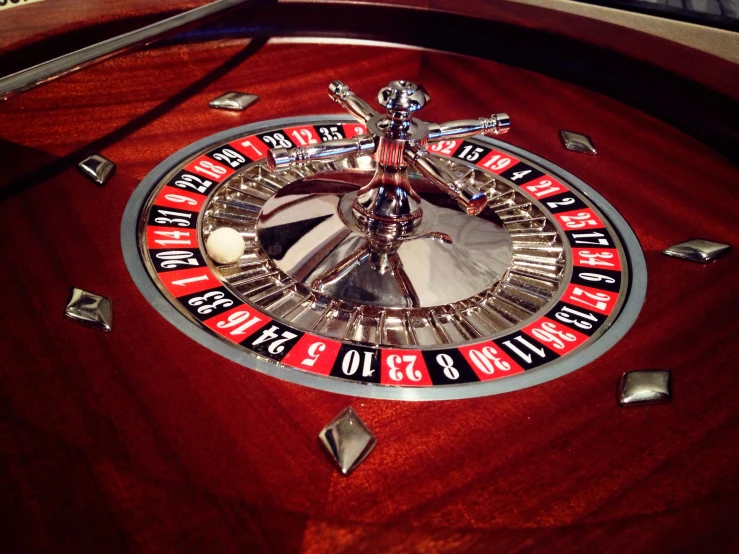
pixel 89 309
pixel 97 168
pixel 577 142
pixel 347 440
pixel 235 101
pixel 698 250
pixel 643 387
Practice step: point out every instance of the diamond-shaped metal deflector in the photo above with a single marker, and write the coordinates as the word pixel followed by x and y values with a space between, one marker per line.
pixel 236 101
pixel 577 142
pixel 649 386
pixel 699 250
pixel 348 440
pixel 89 309
pixel 97 168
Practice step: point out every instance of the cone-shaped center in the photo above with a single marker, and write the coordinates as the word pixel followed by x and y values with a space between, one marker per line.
pixel 310 233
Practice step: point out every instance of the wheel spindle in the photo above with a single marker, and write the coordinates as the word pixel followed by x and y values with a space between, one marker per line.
pixel 388 205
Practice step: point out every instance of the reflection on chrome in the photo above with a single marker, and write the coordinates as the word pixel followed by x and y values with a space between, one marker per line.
pixel 451 279
pixel 307 229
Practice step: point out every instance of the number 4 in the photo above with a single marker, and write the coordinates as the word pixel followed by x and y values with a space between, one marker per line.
pixel 520 174
pixel 270 334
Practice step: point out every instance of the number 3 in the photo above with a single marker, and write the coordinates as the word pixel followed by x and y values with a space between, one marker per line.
pixel 216 299
pixel 396 373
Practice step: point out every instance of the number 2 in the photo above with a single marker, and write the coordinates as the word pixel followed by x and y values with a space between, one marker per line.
pixel 270 334
pixel 582 219
pixel 543 188
pixel 443 147
pixel 188 181
pixel 234 159
pixel 276 140
pixel 303 137
pixel 396 373
pixel 601 298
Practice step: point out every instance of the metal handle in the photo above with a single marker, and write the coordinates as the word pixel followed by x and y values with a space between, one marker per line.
pixel 496 124
pixel 470 199
pixel 283 158
pixel 342 95
pixel 387 205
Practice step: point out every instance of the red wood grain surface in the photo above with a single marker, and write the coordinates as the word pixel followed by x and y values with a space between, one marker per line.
pixel 29 23
pixel 143 440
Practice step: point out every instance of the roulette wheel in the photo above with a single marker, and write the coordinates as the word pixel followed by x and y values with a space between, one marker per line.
pixel 473 290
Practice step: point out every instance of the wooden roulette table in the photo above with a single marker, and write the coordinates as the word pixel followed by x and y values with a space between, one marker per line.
pixel 146 439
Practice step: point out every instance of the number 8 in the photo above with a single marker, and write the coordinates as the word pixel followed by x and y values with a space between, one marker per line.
pixel 446 361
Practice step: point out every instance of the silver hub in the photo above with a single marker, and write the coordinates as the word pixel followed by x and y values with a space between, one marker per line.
pixel 309 231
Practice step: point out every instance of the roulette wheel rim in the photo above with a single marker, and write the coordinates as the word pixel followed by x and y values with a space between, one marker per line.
pixel 627 313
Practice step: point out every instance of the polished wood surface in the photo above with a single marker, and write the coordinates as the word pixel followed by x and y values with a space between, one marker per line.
pixel 30 23
pixel 143 440
pixel 40 31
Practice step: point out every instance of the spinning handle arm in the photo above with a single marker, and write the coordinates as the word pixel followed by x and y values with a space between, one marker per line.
pixel 397 141
pixel 283 158
pixel 470 199
pixel 340 93
pixel 496 124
